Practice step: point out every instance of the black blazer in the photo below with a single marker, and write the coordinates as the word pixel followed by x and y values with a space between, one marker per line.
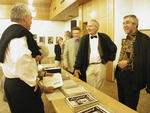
pixel 57 52
pixel 108 49
pixel 141 62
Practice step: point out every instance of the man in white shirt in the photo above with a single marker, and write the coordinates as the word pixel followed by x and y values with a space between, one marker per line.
pixel 95 50
pixel 71 49
pixel 19 53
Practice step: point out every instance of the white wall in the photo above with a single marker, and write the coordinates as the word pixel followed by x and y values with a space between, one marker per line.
pixel 141 8
pixel 68 24
pixel 122 8
pixel 41 28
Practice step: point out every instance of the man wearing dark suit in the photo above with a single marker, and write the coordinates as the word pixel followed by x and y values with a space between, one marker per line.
pixel 95 50
pixel 133 70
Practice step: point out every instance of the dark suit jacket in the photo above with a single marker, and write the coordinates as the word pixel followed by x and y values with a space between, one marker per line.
pixel 141 77
pixel 107 50
pixel 57 52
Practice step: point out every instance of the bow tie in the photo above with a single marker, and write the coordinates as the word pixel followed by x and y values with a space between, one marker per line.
pixel 93 37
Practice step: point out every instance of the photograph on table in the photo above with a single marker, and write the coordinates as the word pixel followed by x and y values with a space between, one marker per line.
pixel 81 100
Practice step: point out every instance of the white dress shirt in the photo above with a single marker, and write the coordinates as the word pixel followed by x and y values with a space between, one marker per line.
pixel 94 55
pixel 19 63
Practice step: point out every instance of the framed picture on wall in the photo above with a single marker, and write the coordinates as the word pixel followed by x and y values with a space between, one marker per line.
pixel 145 31
pixel 35 37
pixel 42 39
pixel 50 39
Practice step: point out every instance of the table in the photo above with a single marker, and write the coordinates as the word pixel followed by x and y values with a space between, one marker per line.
pixel 61 106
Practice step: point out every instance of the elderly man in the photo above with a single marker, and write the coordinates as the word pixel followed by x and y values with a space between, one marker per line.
pixel 18 52
pixel 133 70
pixel 71 49
pixel 95 50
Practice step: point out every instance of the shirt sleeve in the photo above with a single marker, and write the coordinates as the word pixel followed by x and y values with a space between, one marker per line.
pixel 26 67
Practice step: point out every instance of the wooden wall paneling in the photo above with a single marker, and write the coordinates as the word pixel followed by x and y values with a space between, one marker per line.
pixel 104 14
pixel 110 69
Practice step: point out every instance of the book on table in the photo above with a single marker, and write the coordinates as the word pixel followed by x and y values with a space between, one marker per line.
pixel 55 80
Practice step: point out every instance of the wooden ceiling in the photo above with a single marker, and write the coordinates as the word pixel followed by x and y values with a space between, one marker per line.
pixel 41 8
pixel 36 3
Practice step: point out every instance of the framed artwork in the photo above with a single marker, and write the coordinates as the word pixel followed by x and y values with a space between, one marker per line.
pixel 50 39
pixel 35 37
pixel 146 31
pixel 42 39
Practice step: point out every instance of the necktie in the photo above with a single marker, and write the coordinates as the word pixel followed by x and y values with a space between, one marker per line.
pixel 93 37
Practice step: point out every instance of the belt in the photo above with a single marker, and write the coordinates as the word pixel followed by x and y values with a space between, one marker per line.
pixel 95 63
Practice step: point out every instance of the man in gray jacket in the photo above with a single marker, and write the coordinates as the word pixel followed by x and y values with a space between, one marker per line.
pixel 71 49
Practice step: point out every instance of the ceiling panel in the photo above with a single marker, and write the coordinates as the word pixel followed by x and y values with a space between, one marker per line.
pixel 41 8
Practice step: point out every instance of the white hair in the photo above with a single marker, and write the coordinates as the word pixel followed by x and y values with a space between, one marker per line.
pixel 96 23
pixel 18 12
pixel 134 19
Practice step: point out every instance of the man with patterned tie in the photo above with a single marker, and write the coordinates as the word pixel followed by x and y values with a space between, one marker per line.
pixel 95 50
pixel 71 49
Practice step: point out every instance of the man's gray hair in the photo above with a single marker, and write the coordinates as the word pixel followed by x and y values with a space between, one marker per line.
pixel 96 22
pixel 18 12
pixel 134 19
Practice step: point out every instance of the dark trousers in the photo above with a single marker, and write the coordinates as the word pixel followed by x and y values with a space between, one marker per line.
pixel 22 98
pixel 126 93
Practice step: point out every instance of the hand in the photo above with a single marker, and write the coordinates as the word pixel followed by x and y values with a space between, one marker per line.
pixel 66 67
pixel 49 89
pixel 36 87
pixel 49 74
pixel 38 58
pixel 77 72
pixel 122 64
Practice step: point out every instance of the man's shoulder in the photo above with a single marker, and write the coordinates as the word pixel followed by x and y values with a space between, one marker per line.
pixel 103 35
pixel 70 40
pixel 140 34
pixel 84 37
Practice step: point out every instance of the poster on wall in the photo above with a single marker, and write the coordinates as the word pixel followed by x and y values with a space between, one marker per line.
pixel 35 37
pixel 42 39
pixel 50 39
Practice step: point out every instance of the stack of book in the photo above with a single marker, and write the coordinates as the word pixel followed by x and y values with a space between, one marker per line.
pixel 71 88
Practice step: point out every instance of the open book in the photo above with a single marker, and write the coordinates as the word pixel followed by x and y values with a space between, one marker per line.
pixel 55 80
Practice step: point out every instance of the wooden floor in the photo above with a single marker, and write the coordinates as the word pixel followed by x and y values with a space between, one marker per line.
pixel 110 88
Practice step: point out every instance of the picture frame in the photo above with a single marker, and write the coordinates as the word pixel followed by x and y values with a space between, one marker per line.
pixel 80 100
pixel 35 37
pixel 50 39
pixel 42 39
